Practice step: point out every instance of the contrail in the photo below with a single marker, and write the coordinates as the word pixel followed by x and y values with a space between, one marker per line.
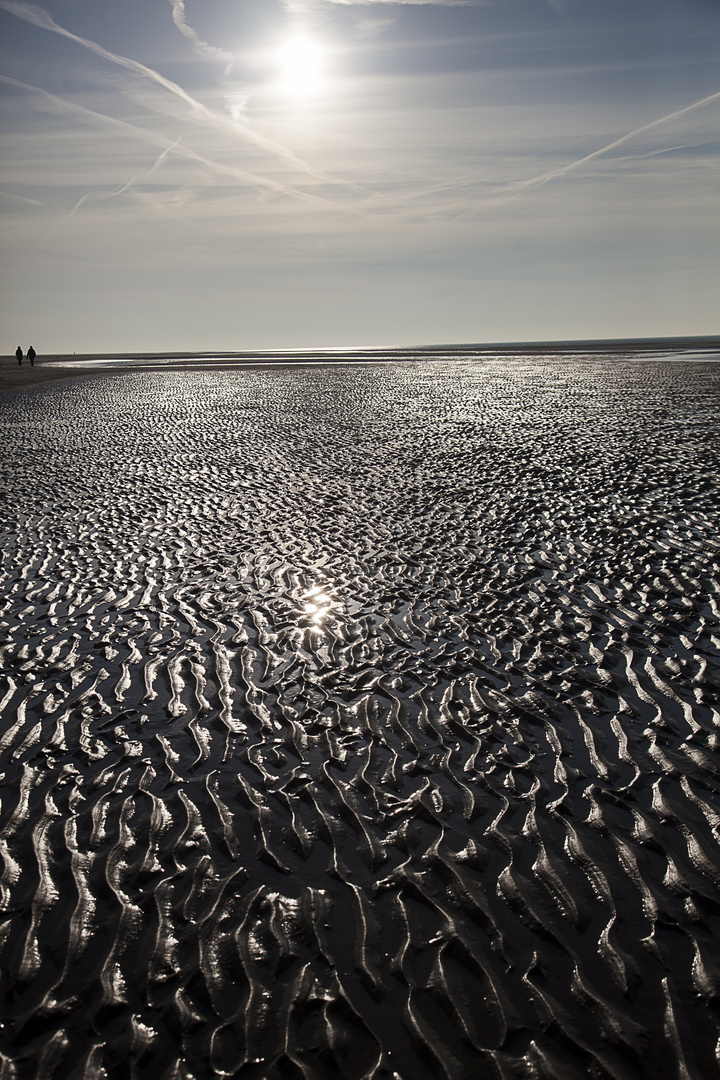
pixel 37 16
pixel 536 181
pixel 76 207
pixel 302 7
pixel 515 190
pixel 200 46
pixel 261 183
pixel 57 224
pixel 33 202
pixel 161 157
pixel 131 183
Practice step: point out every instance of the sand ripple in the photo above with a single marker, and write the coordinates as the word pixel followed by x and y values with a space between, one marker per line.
pixel 362 723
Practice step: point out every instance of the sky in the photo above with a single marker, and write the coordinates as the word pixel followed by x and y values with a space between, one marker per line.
pixel 257 174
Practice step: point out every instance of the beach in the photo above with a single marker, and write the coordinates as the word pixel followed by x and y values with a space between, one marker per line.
pixel 58 367
pixel 360 715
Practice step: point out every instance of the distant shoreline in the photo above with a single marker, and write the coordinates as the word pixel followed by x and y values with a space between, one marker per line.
pixel 62 366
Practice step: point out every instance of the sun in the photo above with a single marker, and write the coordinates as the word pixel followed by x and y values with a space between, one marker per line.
pixel 300 63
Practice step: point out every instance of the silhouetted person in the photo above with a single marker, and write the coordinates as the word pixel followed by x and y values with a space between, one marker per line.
pixel 31 356
pixel 18 353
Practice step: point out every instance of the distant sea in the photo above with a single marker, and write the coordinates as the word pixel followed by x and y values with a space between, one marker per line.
pixel 692 348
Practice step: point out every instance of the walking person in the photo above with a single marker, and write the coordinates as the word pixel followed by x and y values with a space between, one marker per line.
pixel 31 356
pixel 18 353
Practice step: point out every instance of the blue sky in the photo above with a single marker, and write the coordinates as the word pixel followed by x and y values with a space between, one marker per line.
pixel 258 174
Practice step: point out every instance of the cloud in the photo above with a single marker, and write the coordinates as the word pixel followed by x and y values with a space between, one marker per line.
pixel 313 7
pixel 102 196
pixel 168 197
pixel 37 16
pixel 411 3
pixel 508 192
pixel 159 160
pixel 30 202
pixel 544 178
pixel 317 9
pixel 90 116
pixel 200 46
pixel 66 217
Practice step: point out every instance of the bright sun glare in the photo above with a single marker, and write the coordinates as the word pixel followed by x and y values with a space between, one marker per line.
pixel 300 66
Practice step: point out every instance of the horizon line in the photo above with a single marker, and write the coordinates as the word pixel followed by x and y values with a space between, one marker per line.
pixel 690 341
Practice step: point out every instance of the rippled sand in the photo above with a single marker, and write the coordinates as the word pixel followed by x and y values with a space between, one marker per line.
pixel 362 722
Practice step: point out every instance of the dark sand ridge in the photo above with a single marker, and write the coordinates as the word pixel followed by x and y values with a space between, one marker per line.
pixel 60 366
pixel 362 722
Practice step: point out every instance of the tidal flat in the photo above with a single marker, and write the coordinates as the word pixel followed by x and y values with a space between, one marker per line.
pixel 362 721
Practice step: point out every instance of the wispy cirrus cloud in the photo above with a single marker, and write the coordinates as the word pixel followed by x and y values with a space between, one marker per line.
pixel 201 47
pixel 124 127
pixel 315 8
pixel 210 168
pixel 233 126
pixel 411 3
pixel 105 196
pixel 553 174
pixel 502 192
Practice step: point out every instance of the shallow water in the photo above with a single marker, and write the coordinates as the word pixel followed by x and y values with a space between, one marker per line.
pixel 362 721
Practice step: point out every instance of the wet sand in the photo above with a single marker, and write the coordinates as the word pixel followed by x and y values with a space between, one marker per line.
pixel 362 721
pixel 63 366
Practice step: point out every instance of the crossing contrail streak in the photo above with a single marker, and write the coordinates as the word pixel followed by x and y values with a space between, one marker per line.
pixel 544 178
pixel 92 116
pixel 37 16
pixel 515 190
